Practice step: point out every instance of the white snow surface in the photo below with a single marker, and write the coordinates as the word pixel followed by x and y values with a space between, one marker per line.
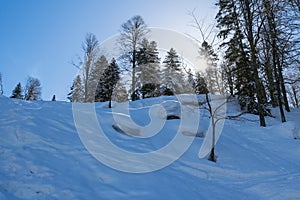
pixel 42 156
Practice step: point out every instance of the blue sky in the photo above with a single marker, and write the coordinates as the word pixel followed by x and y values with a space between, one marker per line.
pixel 40 38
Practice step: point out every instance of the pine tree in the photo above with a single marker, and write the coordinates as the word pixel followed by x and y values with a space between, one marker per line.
pixel 96 74
pixel 148 72
pixel 173 79
pixel 200 86
pixel 53 98
pixel 77 93
pixel 32 89
pixel 190 78
pixel 228 77
pixel 211 71
pixel 108 82
pixel 240 72
pixel 240 24
pixel 17 92
pixel 101 92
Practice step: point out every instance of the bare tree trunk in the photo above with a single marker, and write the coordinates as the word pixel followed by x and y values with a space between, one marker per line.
pixel 230 82
pixel 285 100
pixel 295 96
pixel 249 27
pixel 268 68
pixel 275 55
pixel 86 81
pixel 276 71
pixel 270 12
pixel 133 75
pixel 212 151
pixel 89 47
pixel 109 104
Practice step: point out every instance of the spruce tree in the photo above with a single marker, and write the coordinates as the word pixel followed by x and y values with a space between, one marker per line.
pixel 17 92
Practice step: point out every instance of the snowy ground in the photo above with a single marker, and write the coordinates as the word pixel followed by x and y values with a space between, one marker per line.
pixel 42 157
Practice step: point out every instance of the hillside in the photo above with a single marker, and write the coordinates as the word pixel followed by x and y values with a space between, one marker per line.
pixel 42 156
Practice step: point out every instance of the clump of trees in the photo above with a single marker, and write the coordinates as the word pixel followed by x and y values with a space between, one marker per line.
pixel 101 81
pixel 259 41
pixel 31 92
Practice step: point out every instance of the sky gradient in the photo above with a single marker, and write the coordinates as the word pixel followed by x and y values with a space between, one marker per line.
pixel 42 38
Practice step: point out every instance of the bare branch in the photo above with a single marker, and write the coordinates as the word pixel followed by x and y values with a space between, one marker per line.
pixel 291 81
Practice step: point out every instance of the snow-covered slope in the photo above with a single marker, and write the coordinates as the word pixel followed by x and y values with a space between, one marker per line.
pixel 42 157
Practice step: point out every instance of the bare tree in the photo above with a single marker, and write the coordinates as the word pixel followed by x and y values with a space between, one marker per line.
pixel 132 33
pixel 89 47
pixel 206 32
pixel 207 40
pixel 217 113
pixel 217 108
pixel 32 89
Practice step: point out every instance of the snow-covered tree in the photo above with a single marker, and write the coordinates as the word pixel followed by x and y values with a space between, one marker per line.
pixel 97 73
pixel 173 79
pixel 212 73
pixel 242 20
pixel 32 89
pixel 77 93
pixel 17 92
pixel 200 86
pixel 148 72
pixel 132 33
